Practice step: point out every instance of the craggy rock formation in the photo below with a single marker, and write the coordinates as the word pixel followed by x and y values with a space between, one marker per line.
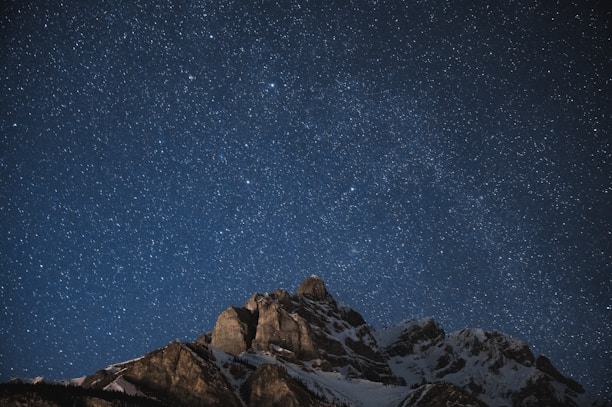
pixel 313 288
pixel 264 323
pixel 307 326
pixel 278 326
pixel 271 386
pixel 309 350
pixel 342 338
pixel 424 335
pixel 234 331
pixel 185 373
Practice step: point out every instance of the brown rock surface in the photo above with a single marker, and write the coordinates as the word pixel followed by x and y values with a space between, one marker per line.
pixel 310 325
pixel 311 332
pixel 342 337
pixel 313 288
pixel 271 386
pixel 265 320
pixel 276 326
pixel 183 373
pixel 234 331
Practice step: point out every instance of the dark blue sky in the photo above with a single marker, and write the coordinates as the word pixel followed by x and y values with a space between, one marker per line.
pixel 160 161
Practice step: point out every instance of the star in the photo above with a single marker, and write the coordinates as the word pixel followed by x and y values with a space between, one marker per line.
pixel 179 159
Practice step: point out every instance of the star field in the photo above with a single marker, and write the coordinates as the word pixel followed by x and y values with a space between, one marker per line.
pixel 161 161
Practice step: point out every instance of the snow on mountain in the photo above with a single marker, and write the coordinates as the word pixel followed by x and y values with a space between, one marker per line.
pixel 308 349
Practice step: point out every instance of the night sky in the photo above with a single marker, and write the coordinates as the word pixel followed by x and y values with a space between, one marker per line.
pixel 160 161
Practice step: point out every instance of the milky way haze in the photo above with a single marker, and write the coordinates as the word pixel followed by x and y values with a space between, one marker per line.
pixel 162 161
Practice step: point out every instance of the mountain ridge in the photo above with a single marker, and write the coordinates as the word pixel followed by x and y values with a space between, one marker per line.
pixel 307 349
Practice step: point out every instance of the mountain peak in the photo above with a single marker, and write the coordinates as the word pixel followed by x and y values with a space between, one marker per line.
pixel 314 288
pixel 308 349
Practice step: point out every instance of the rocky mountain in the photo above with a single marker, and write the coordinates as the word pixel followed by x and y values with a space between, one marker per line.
pixel 309 350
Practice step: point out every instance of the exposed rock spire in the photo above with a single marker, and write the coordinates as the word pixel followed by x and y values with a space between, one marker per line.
pixel 314 288
pixel 285 346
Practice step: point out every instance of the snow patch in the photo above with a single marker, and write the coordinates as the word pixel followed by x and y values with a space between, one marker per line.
pixel 122 385
pixel 280 349
pixel 77 381
pixel 119 367
pixel 389 335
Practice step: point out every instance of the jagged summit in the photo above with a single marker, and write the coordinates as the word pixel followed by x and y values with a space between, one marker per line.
pixel 307 326
pixel 313 287
pixel 308 350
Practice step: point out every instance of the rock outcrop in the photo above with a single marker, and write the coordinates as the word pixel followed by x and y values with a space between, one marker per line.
pixel 279 326
pixel 271 386
pixel 342 337
pixel 416 337
pixel 313 288
pixel 234 331
pixel 309 325
pixel 183 373
pixel 265 322
pixel 308 349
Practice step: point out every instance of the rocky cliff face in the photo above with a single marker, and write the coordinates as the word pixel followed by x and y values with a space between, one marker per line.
pixel 308 350
pixel 309 325
pixel 182 373
pixel 272 386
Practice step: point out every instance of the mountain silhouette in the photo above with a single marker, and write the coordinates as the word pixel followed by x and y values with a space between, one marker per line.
pixel 308 349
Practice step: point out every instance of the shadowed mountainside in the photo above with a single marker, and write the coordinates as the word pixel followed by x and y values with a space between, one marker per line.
pixel 307 349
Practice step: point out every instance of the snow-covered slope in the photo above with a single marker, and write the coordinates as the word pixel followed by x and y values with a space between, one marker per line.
pixel 307 349
pixel 493 367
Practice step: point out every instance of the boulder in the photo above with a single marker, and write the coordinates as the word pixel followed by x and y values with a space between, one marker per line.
pixel 277 326
pixel 313 288
pixel 234 331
